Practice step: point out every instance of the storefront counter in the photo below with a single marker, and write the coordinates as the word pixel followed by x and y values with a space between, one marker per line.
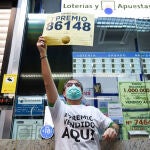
pixel 9 144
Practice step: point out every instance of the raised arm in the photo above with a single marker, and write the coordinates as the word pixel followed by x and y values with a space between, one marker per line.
pixel 50 87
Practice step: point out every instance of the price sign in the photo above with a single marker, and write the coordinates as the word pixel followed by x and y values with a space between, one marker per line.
pixel 134 95
pixel 69 29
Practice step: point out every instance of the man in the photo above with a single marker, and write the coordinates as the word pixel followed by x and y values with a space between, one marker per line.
pixel 76 126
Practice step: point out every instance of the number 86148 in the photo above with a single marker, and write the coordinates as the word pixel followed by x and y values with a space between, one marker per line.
pixel 59 25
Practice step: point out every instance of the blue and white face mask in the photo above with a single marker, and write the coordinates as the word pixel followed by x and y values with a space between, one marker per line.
pixel 73 93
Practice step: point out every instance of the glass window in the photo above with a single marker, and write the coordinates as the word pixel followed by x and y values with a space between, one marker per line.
pixel 121 53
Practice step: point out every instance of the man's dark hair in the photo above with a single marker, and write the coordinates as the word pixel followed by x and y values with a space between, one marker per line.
pixel 64 87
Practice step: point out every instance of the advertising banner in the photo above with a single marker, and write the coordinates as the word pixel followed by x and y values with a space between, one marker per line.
pixel 109 8
pixel 134 95
pixel 69 29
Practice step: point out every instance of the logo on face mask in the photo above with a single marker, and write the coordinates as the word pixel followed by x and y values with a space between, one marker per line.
pixel 73 93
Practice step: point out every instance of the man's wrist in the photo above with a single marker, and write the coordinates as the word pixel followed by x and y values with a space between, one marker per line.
pixel 42 57
pixel 112 125
pixel 116 130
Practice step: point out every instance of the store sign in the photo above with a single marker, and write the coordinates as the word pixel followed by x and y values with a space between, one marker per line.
pixel 9 83
pixel 109 8
pixel 29 106
pixel 69 29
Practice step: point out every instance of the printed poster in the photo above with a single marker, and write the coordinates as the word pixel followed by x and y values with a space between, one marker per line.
pixel 115 112
pixel 134 95
pixel 9 83
pixel 69 29
pixel 135 120
pixel 111 107
pixel 27 129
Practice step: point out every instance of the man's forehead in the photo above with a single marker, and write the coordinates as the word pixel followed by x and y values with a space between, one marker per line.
pixel 72 81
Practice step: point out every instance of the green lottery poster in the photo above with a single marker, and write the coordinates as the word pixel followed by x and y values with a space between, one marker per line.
pixel 134 95
pixel 135 120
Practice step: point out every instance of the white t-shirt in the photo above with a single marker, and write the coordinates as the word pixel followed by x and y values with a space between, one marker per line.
pixel 76 126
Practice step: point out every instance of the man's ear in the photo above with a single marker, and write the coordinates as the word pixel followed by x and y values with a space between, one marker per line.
pixel 64 93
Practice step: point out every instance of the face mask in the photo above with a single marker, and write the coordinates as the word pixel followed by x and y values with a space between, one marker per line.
pixel 73 93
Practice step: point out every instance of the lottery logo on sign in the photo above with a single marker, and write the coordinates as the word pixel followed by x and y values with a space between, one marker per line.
pixel 108 6
pixel 10 79
pixel 47 132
